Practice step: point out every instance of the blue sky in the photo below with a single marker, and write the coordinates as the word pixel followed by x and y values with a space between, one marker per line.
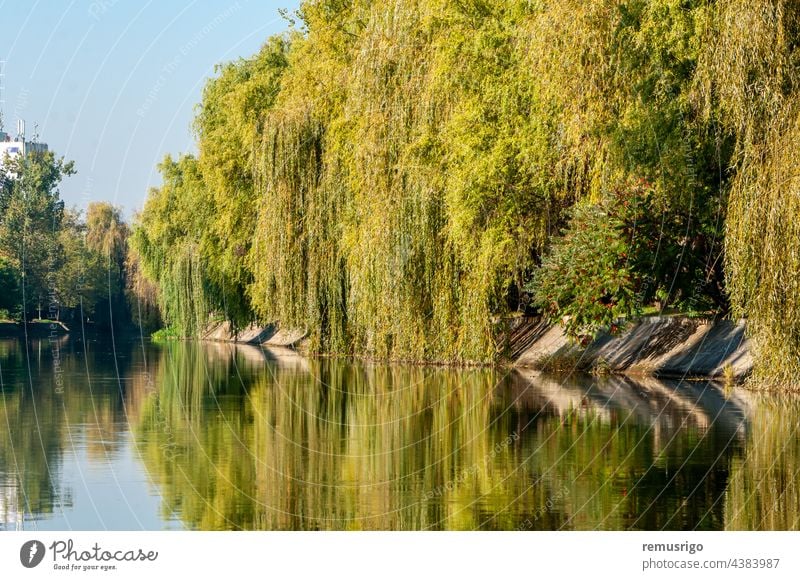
pixel 112 84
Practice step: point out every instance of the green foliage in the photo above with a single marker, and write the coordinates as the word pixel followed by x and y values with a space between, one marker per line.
pixel 167 243
pixel 750 80
pixel 164 334
pixel 31 219
pixel 107 233
pixel 63 266
pixel 141 294
pixel 195 232
pixel 390 176
pixel 588 279
pixel 10 288
pixel 615 258
pixel 403 206
pixel 80 281
pixel 107 238
pixel 398 201
pixel 229 126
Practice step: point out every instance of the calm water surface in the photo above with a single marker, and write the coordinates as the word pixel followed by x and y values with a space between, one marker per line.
pixel 215 436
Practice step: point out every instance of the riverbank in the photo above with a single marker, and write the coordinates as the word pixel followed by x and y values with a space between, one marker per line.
pixel 35 329
pixel 658 346
pixel 268 335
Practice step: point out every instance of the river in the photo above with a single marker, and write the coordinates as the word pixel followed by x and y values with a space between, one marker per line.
pixel 130 435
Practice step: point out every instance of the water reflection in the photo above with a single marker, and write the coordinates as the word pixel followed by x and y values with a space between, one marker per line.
pixel 217 436
pixel 64 436
pixel 764 487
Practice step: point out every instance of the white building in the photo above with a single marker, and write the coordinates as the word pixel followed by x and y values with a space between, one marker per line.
pixel 11 148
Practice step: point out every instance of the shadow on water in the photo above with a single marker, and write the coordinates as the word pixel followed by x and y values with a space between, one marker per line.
pixel 237 437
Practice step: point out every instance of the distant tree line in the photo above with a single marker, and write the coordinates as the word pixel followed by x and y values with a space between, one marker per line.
pixel 55 262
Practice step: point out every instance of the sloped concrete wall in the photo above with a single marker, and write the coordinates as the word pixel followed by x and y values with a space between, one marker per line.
pixel 269 335
pixel 667 346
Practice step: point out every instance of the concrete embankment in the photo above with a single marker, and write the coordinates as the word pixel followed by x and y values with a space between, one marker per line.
pixel 661 346
pixel 269 335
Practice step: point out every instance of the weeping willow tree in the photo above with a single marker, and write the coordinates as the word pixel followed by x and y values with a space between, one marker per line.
pixel 401 194
pixel 351 240
pixel 749 80
pixel 195 231
pixel 167 247
pixel 228 126
pixel 141 294
pixel 421 156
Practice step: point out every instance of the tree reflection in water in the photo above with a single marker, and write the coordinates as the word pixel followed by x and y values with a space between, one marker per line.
pixel 236 437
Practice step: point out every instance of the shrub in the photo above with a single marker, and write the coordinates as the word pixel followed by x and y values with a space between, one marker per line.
pixel 604 266
pixel 164 334
pixel 586 280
